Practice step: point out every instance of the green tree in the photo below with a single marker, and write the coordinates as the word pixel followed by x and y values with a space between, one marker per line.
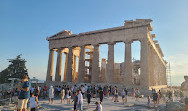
pixel 16 69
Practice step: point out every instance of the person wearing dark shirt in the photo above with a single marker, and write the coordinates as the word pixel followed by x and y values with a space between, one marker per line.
pixel 75 100
pixel 24 94
pixel 88 98
pixel 155 97
pixel 101 94
pixel 36 94
pixel 126 94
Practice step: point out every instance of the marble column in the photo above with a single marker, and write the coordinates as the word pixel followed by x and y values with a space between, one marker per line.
pixel 65 69
pixel 151 65
pixel 128 64
pixel 81 70
pixel 110 64
pixel 95 65
pixel 75 76
pixel 69 66
pixel 144 75
pixel 58 66
pixel 50 66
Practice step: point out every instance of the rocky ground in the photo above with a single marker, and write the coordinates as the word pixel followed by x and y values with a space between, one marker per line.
pixel 107 104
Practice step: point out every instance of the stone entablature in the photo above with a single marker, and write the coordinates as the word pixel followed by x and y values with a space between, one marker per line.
pixel 132 31
pixel 138 30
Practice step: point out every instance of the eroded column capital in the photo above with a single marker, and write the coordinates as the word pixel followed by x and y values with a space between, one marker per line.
pixel 83 46
pixel 111 43
pixel 128 42
pixel 51 49
pixel 59 50
pixel 143 40
pixel 95 45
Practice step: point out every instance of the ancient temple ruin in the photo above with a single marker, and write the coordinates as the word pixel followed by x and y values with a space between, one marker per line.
pixel 150 71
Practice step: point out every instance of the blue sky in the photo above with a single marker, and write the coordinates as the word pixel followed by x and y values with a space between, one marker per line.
pixel 24 26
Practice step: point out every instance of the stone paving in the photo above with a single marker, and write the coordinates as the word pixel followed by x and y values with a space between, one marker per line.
pixel 107 104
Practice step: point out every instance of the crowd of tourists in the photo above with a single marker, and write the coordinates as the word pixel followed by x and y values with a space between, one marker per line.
pixel 28 96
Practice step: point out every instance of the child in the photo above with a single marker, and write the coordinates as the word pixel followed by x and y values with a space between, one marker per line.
pixel 99 107
pixel 148 101
pixel 88 98
pixel 33 101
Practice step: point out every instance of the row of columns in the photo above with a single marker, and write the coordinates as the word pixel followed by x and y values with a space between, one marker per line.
pixel 95 64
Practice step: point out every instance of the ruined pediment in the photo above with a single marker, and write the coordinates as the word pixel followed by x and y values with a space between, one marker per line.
pixel 63 33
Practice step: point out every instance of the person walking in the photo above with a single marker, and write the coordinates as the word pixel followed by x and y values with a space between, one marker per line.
pixel 88 98
pixel 116 94
pixel 75 100
pixel 80 100
pixel 137 93
pixel 133 93
pixel 83 90
pixel 99 107
pixel 51 94
pixel 123 96
pixel 24 94
pixel 94 92
pixel 101 94
pixel 108 91
pixel 68 96
pixel 126 94
pixel 33 101
pixel 149 101
pixel 45 92
pixel 62 95
pixel 36 93
pixel 155 98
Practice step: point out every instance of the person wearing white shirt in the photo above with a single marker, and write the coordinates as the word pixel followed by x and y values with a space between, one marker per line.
pixel 99 107
pixel 80 100
pixel 33 103
pixel 51 94
pixel 82 90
